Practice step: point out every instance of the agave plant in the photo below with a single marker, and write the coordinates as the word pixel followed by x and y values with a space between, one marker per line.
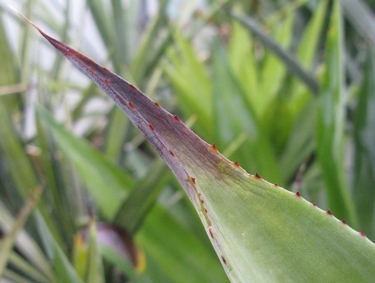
pixel 260 231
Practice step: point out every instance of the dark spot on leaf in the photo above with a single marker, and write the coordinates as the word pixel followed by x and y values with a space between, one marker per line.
pixel 343 221
pixel 156 104
pixel 223 259
pixel 329 212
pixel 257 176
pixel 151 127
pixel 205 210
pixel 362 234
pixel 171 152
pixel 131 106
pixel 313 204
pixel 276 185
pixel 298 194
pixel 211 233
pixel 236 164
pixel 106 81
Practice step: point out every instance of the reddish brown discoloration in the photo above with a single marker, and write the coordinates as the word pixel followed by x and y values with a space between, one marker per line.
pixel 191 180
pixel 205 210
pixel 131 106
pixel 171 152
pixel 257 176
pixel 362 234
pixel 176 118
pixel 224 260
pixel 151 127
pixel 106 81
pixel 211 233
pixel 343 221
pixel 133 87
pixel 313 204
pixel 329 212
pixel 298 194
pixel 156 104
pixel 213 147
pixel 236 164
pixel 105 69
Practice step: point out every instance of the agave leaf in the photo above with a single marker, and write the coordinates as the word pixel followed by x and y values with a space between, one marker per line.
pixel 7 243
pixel 260 231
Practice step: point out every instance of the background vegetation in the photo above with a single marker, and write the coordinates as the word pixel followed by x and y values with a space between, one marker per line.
pixel 266 81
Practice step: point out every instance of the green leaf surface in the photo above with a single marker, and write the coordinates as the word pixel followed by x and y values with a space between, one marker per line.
pixel 330 123
pixel 364 137
pixel 7 242
pixel 260 231
pixel 94 268
pixel 93 168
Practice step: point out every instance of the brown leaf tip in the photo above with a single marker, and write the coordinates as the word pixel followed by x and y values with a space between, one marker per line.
pixel 362 233
pixel 298 194
pixel 171 152
pixel 131 106
pixel 236 164
pixel 151 127
pixel 213 147
pixel 257 176
pixel 176 118
pixel 329 212
pixel 224 260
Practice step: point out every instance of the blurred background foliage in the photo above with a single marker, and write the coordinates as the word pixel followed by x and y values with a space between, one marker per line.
pixel 257 78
